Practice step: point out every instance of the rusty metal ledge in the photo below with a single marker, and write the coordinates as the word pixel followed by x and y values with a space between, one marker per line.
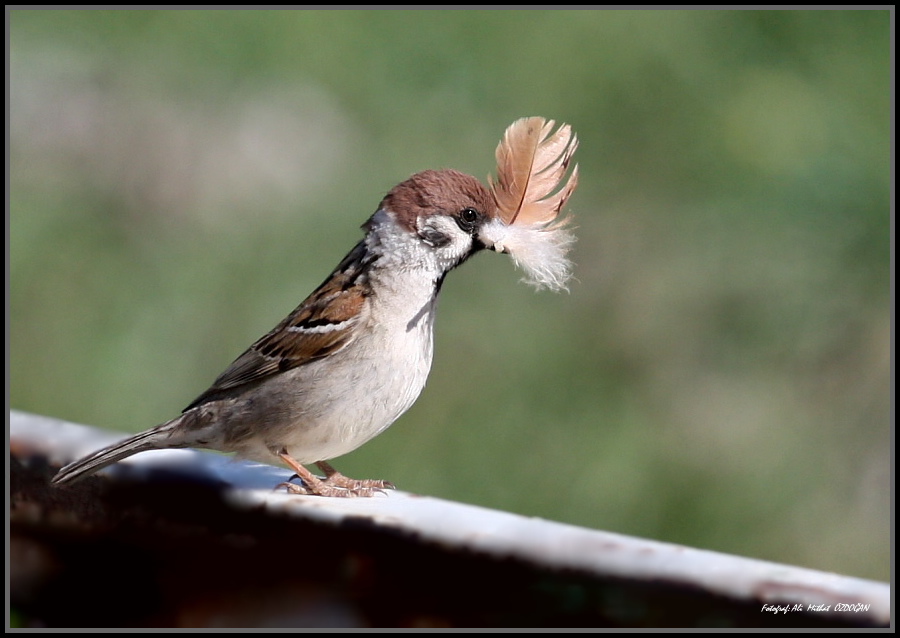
pixel 191 539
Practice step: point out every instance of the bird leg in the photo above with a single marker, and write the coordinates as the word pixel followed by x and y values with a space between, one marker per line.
pixel 334 483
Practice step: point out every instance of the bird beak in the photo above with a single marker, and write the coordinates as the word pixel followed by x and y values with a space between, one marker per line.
pixel 491 235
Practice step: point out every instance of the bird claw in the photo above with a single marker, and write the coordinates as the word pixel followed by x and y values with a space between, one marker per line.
pixel 334 484
pixel 339 480
pixel 338 486
pixel 292 488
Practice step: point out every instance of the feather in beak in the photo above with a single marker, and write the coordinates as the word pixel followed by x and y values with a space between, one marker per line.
pixel 532 161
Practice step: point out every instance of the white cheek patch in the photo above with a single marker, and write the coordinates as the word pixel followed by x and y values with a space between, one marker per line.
pixel 539 249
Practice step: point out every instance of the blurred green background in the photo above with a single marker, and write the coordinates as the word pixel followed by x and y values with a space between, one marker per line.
pixel 719 374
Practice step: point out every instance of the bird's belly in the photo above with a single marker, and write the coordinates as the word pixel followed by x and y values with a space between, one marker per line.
pixel 327 408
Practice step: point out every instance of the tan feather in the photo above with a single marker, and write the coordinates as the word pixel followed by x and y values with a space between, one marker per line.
pixel 531 163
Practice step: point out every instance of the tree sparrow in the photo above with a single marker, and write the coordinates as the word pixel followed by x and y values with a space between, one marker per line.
pixel 354 356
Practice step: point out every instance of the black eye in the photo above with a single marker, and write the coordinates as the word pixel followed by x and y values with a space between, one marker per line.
pixel 468 217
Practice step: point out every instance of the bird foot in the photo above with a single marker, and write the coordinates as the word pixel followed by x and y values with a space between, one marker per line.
pixel 334 484
pixel 323 488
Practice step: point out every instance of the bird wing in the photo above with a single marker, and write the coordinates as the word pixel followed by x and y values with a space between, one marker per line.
pixel 322 324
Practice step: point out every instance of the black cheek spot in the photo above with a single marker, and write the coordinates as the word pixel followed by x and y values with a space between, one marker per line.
pixel 434 238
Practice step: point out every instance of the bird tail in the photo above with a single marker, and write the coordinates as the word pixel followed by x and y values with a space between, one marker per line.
pixel 152 439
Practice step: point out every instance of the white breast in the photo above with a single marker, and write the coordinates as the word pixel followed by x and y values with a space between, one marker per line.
pixel 355 394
